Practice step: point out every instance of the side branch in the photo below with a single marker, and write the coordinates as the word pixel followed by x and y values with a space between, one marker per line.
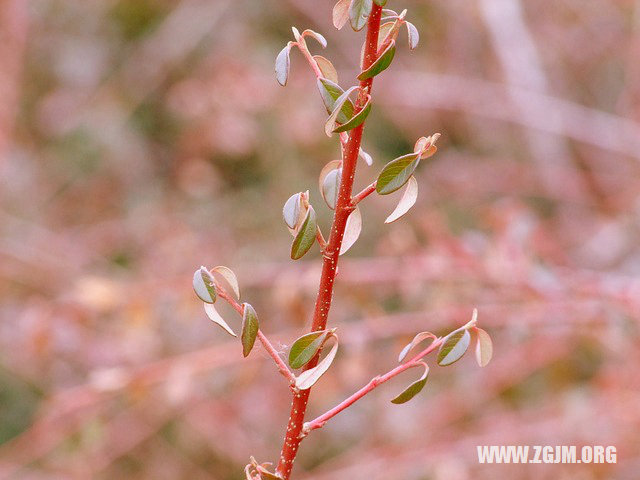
pixel 363 194
pixel 273 353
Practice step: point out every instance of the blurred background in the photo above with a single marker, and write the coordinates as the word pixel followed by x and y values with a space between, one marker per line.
pixel 140 139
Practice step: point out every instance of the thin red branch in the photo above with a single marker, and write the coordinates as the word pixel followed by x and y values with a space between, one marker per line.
pixel 331 253
pixel 363 194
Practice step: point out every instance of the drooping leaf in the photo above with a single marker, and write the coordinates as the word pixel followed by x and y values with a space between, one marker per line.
pixel 407 201
pixel 306 347
pixel 454 347
pixel 380 3
pixel 318 37
pixel 484 347
pixel 215 317
pixel 341 13
pixel 283 64
pixel 291 210
pixel 381 63
pixel 330 92
pixel 351 230
pixel 359 12
pixel 309 377
pixel 413 389
pixel 365 156
pixel 230 277
pixel 416 340
pixel 306 235
pixel 337 107
pixel 396 173
pixel 204 285
pixel 326 67
pixel 250 327
pixel 357 120
pixel 331 187
pixel 413 35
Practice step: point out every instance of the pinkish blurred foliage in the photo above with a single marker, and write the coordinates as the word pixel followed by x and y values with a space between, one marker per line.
pixel 140 139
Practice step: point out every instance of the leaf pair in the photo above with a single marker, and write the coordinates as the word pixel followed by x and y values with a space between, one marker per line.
pixel 306 348
pixel 351 122
pixel 300 218
pixel 283 60
pixel 457 342
pixel 205 288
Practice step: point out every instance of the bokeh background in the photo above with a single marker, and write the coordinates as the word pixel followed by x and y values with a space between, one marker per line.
pixel 140 139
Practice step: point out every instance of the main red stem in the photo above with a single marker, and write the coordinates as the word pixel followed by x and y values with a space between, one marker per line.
pixel 329 267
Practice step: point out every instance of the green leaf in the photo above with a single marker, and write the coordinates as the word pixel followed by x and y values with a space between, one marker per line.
pixel 484 347
pixel 204 286
pixel 250 327
pixel 396 173
pixel 283 64
pixel 381 63
pixel 337 109
pixel 380 3
pixel 416 340
pixel 306 235
pixel 309 377
pixel 357 120
pixel 330 92
pixel 454 347
pixel 341 13
pixel 230 277
pixel 327 68
pixel 413 389
pixel 306 347
pixel 413 35
pixel 407 201
pixel 215 317
pixel 331 187
pixel 359 12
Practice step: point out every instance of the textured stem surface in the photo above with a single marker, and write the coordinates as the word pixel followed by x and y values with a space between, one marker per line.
pixel 325 292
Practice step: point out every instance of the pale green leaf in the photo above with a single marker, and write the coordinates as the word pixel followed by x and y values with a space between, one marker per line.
pixel 204 285
pixel 381 63
pixel 357 120
pixel 330 92
pixel 215 317
pixel 396 173
pixel 407 201
pixel 359 12
pixel 337 108
pixel 380 3
pixel 413 389
pixel 484 347
pixel 454 347
pixel 250 327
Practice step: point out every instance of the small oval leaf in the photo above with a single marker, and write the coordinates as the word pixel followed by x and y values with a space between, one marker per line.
pixel 309 377
pixel 359 12
pixel 351 230
pixel 396 173
pixel 327 68
pixel 416 340
pixel 306 347
pixel 381 63
pixel 331 187
pixel 357 120
pixel 204 285
pixel 337 108
pixel 454 347
pixel 230 277
pixel 484 347
pixel 341 13
pixel 413 35
pixel 291 210
pixel 413 389
pixel 306 235
pixel 332 165
pixel 407 201
pixel 315 35
pixel 250 327
pixel 215 317
pixel 283 64
pixel 330 92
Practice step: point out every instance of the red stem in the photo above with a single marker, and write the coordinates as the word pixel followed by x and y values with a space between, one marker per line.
pixel 373 383
pixel 329 267
pixel 364 194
